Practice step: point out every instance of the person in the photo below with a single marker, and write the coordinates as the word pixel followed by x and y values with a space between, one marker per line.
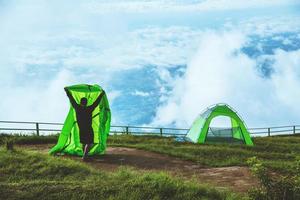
pixel 84 120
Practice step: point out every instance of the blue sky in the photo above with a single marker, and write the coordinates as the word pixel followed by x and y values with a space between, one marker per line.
pixel 161 62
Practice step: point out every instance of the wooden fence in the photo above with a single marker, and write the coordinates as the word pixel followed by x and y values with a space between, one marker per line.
pixel 46 128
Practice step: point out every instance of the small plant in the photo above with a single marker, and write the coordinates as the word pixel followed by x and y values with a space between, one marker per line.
pixel 9 143
pixel 259 170
pixel 274 186
pixel 297 166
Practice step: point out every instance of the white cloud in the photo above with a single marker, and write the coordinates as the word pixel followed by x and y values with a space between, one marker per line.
pixel 140 93
pixel 48 45
pixel 41 101
pixel 163 47
pixel 113 95
pixel 48 102
pixel 220 72
pixel 268 25
pixel 287 78
pixel 145 6
pixel 40 53
pixel 287 41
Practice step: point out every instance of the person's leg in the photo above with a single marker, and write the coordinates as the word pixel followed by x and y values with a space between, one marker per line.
pixel 88 142
pixel 83 147
pixel 86 150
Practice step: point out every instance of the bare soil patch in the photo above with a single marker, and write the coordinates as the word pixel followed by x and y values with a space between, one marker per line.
pixel 236 178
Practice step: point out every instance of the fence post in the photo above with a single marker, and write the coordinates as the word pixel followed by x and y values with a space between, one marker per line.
pixel 161 131
pixel 127 130
pixel 269 132
pixel 294 129
pixel 37 129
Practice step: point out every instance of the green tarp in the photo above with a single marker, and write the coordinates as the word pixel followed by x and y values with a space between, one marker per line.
pixel 68 141
pixel 198 133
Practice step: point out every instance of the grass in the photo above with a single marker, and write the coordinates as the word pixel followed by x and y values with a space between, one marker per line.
pixel 279 153
pixel 28 175
pixel 277 160
pixel 29 139
pixel 25 175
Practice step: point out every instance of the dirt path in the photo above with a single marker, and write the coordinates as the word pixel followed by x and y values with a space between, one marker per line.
pixel 236 178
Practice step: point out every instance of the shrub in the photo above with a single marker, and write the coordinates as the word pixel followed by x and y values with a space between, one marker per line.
pixel 274 186
pixel 9 143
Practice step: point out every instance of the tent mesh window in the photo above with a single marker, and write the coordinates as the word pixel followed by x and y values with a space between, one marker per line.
pixel 222 134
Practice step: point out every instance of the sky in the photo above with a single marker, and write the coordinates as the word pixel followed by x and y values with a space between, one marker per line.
pixel 161 62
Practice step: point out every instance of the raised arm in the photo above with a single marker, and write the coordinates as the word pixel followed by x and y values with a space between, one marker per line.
pixel 95 104
pixel 71 98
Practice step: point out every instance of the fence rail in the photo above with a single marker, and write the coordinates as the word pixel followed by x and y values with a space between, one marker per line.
pixel 46 128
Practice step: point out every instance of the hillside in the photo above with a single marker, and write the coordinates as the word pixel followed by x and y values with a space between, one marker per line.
pixel 161 161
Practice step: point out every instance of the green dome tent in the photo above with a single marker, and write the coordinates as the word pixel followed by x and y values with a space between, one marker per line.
pixel 201 132
pixel 68 141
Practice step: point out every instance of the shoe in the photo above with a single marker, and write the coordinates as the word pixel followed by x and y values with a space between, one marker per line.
pixel 84 158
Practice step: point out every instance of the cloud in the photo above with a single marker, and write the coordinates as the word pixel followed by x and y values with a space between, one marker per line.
pixel 35 65
pixel 96 42
pixel 221 73
pixel 266 26
pixel 140 93
pixel 67 44
pixel 286 78
pixel 145 6
pixel 44 101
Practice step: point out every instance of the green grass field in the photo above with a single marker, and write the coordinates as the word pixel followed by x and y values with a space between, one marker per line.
pixel 278 153
pixel 30 175
pixel 275 160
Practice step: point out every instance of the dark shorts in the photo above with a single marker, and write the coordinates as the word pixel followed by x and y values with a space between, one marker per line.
pixel 86 136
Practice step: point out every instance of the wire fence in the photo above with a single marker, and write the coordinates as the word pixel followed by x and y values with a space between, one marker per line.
pixel 46 128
